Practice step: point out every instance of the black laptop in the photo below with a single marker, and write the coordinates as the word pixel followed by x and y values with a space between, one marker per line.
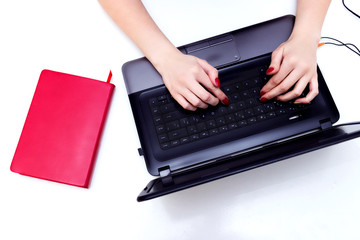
pixel 188 148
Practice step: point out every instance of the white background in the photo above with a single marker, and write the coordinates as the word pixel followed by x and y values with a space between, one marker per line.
pixel 313 196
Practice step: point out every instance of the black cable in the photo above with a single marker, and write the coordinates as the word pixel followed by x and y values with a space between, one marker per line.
pixel 340 43
pixel 346 45
pixel 334 39
pixel 343 1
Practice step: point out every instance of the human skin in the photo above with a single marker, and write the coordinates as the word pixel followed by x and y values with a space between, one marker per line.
pixel 293 63
pixel 195 84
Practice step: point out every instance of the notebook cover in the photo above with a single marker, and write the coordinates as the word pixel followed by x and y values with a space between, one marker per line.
pixel 62 130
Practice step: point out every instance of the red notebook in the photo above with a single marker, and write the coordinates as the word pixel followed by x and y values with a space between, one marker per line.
pixel 62 129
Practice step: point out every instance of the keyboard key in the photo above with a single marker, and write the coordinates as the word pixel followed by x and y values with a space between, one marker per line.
pixel 192 129
pixel 227 90
pixel 242 123
pixel 163 138
pixel 195 137
pixel 252 120
pixel 239 115
pixel 201 127
pixel 194 119
pixel 232 126
pixel 250 102
pixel 232 107
pixel 223 129
pixel 230 118
pixel 153 102
pixel 184 122
pixel 172 125
pixel 245 94
pixel 158 120
pixel 171 116
pixel 280 111
pixel 220 121
pixel 213 131
pixel 185 140
pixel 155 111
pixel 160 129
pixel 246 84
pixel 210 124
pixel 259 110
pixel 255 92
pixel 249 112
pixel 261 117
pixel 177 134
pixel 235 97
pixel 167 108
pixel 269 107
pixel 241 105
pixel 204 134
pixel 221 111
pixel 175 143
pixel 165 145
pixel 270 115
pixel 162 99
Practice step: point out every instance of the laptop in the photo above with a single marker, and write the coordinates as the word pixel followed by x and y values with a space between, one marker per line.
pixel 185 148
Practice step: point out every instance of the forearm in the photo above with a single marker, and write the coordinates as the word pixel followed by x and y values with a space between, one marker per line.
pixel 132 17
pixel 310 15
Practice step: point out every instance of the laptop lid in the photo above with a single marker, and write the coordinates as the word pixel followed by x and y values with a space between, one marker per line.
pixel 249 160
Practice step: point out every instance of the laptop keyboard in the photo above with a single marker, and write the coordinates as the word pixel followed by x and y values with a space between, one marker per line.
pixel 176 126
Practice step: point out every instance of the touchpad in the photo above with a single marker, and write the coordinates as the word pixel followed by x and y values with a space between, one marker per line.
pixel 218 51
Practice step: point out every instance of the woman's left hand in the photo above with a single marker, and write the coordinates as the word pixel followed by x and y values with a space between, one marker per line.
pixel 293 63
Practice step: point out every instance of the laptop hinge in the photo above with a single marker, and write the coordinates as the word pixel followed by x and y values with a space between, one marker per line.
pixel 325 124
pixel 140 151
pixel 165 175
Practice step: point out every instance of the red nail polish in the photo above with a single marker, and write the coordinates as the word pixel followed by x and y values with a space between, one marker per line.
pixel 225 101
pixel 270 69
pixel 262 92
pixel 263 99
pixel 217 82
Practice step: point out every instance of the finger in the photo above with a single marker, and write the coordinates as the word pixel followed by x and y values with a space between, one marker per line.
pixel 217 92
pixel 278 78
pixel 193 99
pixel 276 59
pixel 296 92
pixel 313 91
pixel 183 102
pixel 220 95
pixel 204 95
pixel 210 71
pixel 284 86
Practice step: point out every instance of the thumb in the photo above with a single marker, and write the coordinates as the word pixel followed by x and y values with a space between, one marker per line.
pixel 276 59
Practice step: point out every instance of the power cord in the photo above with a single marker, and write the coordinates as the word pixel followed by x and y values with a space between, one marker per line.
pixel 336 42
pixel 343 1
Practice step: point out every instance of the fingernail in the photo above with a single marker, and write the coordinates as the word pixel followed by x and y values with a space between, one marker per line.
pixel 217 82
pixel 270 69
pixel 262 92
pixel 263 99
pixel 225 101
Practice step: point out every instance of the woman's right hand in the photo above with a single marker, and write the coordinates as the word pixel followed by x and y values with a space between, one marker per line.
pixel 192 81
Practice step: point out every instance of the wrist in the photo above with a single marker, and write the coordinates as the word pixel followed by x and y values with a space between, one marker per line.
pixel 310 37
pixel 162 56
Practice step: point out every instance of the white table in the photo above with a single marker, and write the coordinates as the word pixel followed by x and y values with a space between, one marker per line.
pixel 313 196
